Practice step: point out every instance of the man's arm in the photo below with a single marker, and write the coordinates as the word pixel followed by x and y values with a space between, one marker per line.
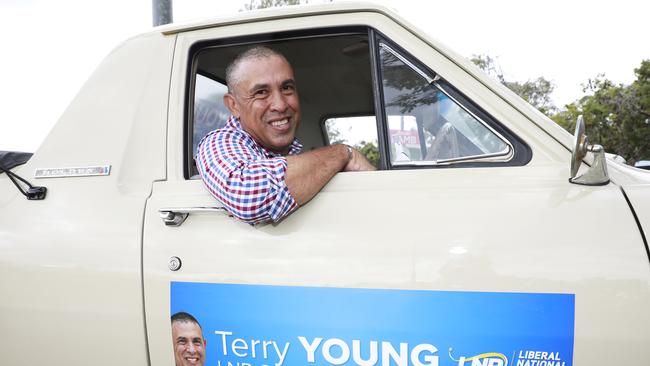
pixel 255 189
pixel 250 186
pixel 308 172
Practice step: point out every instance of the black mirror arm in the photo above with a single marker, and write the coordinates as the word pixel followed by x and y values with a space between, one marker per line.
pixel 32 193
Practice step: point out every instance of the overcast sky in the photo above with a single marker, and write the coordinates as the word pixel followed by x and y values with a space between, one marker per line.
pixel 49 48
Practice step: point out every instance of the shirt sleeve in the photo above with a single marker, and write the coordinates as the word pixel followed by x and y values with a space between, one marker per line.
pixel 251 187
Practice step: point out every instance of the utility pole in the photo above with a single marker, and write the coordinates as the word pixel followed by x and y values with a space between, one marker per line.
pixel 162 12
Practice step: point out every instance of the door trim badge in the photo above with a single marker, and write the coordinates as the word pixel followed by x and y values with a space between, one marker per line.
pixel 84 171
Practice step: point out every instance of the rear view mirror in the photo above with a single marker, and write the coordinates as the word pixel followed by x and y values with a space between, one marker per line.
pixel 597 173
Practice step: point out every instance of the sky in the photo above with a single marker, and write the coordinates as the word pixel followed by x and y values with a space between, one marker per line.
pixel 50 48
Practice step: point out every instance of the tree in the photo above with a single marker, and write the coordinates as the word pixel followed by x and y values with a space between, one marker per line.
pixel 370 151
pixel 489 66
pixel 263 4
pixel 616 116
pixel 536 92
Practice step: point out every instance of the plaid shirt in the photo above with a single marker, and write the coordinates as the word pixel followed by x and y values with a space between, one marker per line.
pixel 247 178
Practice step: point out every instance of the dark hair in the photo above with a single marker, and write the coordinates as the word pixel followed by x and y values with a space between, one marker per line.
pixel 183 317
pixel 255 52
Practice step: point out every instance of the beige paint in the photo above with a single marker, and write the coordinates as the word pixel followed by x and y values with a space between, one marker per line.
pixel 518 229
pixel 70 266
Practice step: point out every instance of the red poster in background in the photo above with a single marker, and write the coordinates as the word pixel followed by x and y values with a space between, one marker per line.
pixel 408 138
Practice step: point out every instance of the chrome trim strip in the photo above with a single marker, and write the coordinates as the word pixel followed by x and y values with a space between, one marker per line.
pixel 193 209
pixel 473 158
pixel 407 63
pixel 510 148
pixel 83 171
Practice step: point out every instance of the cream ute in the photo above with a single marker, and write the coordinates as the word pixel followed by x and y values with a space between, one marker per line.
pixel 472 198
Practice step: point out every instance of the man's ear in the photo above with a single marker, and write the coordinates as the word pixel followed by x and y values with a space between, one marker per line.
pixel 231 103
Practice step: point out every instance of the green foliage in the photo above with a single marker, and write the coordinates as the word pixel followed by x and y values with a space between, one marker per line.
pixel 400 77
pixel 488 65
pixel 641 89
pixel 616 116
pixel 536 92
pixel 370 151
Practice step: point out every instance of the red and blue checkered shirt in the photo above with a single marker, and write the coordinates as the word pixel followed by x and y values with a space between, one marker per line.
pixel 247 178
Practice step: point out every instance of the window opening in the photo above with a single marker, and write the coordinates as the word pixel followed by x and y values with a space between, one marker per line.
pixel 426 125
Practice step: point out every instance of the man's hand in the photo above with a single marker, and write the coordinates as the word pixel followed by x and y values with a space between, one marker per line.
pixel 358 163
pixel 308 172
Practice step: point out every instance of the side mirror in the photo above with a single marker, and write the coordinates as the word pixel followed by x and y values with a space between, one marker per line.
pixel 597 173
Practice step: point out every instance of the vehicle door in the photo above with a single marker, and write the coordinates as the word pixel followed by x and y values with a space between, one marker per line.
pixel 468 245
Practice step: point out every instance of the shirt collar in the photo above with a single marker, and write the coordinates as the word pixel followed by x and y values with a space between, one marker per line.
pixel 294 149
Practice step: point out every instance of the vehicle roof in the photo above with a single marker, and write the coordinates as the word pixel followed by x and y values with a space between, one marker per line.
pixel 276 13
pixel 552 128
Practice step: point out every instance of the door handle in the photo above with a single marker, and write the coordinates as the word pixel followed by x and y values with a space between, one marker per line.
pixel 176 216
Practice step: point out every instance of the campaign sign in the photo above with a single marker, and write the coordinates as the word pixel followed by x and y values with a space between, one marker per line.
pixel 253 325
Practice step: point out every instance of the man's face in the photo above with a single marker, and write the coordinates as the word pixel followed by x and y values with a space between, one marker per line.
pixel 189 345
pixel 266 101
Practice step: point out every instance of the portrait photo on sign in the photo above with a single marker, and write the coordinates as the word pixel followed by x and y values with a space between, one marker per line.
pixel 189 343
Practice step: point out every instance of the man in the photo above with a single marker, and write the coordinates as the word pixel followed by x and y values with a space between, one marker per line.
pixel 253 165
pixel 189 344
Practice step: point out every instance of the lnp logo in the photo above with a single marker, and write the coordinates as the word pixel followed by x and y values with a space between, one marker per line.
pixel 484 359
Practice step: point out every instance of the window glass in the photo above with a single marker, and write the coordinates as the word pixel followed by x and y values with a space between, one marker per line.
pixel 209 111
pixel 426 126
pixel 358 132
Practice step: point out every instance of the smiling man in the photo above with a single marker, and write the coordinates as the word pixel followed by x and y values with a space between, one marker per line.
pixel 253 165
pixel 189 344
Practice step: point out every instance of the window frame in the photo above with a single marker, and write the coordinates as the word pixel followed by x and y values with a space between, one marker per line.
pixel 265 38
pixel 521 153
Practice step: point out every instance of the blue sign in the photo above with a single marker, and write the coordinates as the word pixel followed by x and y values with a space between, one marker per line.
pixel 253 325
